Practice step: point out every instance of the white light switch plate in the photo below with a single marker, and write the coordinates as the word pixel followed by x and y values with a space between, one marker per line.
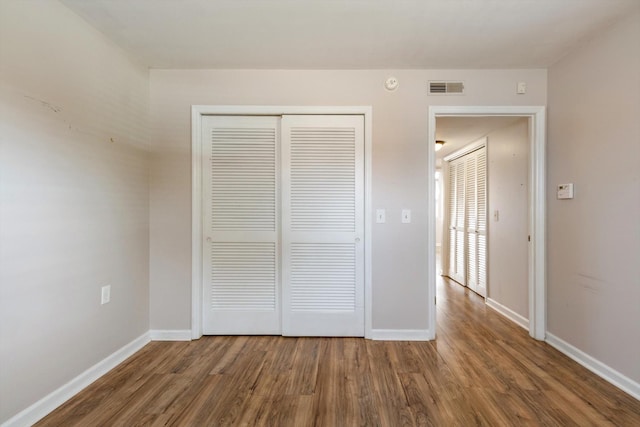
pixel 105 294
pixel 565 191
pixel 381 216
pixel 406 216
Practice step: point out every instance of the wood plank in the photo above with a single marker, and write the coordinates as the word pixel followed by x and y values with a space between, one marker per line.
pixel 391 399
pixel 305 367
pixel 481 370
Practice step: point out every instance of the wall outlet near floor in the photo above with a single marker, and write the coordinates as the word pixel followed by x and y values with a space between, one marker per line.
pixel 105 294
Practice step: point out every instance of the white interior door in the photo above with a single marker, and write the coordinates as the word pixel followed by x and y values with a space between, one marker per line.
pixel 456 196
pixel 476 222
pixel 240 225
pixel 467 203
pixel 323 225
pixel 481 221
pixel 471 205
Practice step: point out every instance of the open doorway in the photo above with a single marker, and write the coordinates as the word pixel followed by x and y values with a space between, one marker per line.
pixel 535 123
pixel 482 208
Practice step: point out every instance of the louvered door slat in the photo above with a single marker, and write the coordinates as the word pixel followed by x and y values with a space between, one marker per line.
pixel 243 177
pixel 323 225
pixel 240 251
pixel 322 277
pixel 243 276
pixel 322 161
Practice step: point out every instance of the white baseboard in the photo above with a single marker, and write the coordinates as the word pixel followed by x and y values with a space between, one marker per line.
pixel 614 377
pixel 401 334
pixel 170 335
pixel 508 313
pixel 47 404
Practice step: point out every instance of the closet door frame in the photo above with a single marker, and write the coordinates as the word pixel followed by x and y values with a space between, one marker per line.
pixel 197 112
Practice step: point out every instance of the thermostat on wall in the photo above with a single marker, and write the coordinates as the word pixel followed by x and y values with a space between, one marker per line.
pixel 565 191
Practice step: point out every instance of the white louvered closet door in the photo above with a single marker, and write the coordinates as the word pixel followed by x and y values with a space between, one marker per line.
pixel 323 225
pixel 471 220
pixel 481 221
pixel 471 215
pixel 451 218
pixel 456 197
pixel 476 220
pixel 467 204
pixel 240 223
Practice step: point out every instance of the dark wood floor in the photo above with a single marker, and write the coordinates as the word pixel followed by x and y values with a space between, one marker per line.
pixel 481 370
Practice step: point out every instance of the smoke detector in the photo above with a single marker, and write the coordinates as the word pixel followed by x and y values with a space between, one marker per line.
pixel 391 83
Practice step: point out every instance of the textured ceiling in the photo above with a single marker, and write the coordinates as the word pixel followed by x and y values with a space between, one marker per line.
pixel 349 34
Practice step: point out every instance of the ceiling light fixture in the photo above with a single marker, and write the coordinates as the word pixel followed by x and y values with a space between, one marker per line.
pixel 439 144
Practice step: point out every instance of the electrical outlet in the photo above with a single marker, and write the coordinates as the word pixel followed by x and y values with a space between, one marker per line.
pixel 105 295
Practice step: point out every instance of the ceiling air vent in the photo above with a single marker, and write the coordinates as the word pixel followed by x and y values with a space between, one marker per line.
pixel 446 88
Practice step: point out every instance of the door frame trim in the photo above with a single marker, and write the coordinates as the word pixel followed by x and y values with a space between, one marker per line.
pixel 197 112
pixel 537 206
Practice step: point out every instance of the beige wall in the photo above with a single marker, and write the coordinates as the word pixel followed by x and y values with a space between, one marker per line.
pixel 508 193
pixel 73 203
pixel 594 240
pixel 399 167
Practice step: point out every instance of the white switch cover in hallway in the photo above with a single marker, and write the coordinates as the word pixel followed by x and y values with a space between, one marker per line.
pixel 406 216
pixel 381 216
pixel 105 295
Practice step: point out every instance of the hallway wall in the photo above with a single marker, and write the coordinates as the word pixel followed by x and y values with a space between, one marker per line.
pixel 508 263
